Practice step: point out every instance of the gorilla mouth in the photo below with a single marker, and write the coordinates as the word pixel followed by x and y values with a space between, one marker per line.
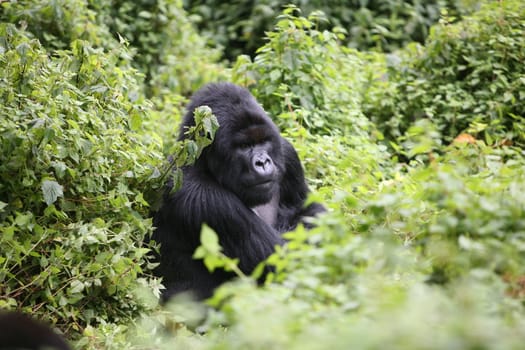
pixel 262 183
pixel 265 185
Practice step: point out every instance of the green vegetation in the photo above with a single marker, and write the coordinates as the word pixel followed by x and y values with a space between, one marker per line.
pixel 416 148
pixel 468 77
pixel 74 170
pixel 240 26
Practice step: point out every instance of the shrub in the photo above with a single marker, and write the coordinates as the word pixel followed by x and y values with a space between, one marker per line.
pixel 464 212
pixel 72 213
pixel 56 24
pixel 168 49
pixel 163 43
pixel 469 77
pixel 301 77
pixel 240 27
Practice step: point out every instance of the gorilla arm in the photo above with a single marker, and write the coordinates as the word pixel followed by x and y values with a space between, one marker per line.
pixel 293 192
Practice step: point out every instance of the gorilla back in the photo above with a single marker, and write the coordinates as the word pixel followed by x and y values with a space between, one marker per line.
pixel 248 186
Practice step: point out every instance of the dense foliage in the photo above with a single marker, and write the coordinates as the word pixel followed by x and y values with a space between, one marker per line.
pixel 241 26
pixel 287 76
pixel 162 39
pixel 77 168
pixel 418 153
pixel 467 78
pixel 73 171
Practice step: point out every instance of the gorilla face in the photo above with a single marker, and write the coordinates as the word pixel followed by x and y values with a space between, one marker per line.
pixel 248 160
pixel 258 164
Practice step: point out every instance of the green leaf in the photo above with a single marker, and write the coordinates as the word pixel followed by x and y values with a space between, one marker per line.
pixel 136 121
pixel 210 240
pixel 51 190
pixel 76 287
pixel 23 220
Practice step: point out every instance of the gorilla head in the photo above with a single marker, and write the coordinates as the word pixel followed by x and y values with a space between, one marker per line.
pixel 19 331
pixel 246 155
pixel 248 186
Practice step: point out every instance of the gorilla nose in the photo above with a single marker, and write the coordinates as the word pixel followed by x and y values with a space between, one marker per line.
pixel 262 164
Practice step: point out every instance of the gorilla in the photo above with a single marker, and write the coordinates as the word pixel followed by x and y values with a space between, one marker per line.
pixel 248 186
pixel 19 331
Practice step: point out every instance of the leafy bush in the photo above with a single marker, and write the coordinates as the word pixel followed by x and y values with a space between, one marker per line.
pixel 56 24
pixel 240 27
pixel 301 76
pixel 462 223
pixel 72 213
pixel 164 45
pixel 169 51
pixel 469 77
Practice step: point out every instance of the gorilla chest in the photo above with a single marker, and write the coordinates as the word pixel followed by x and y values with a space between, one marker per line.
pixel 268 212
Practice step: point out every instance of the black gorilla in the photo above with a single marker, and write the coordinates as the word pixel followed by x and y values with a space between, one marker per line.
pixel 248 186
pixel 19 331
